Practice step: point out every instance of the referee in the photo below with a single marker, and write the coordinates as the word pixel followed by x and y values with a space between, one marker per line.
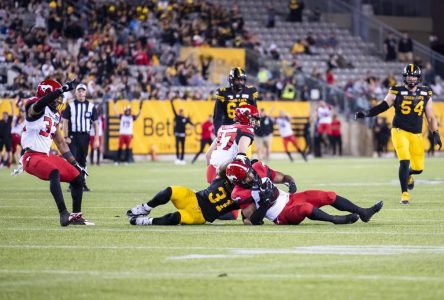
pixel 78 117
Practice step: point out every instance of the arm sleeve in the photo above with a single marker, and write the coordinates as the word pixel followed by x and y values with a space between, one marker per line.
pixel 258 216
pixel 376 110
pixel 45 100
pixel 174 109
pixel 218 114
pixel 67 112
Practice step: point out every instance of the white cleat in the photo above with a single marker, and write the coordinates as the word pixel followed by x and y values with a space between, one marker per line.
pixel 139 210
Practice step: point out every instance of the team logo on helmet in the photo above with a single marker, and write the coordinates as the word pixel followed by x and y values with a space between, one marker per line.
pixel 247 114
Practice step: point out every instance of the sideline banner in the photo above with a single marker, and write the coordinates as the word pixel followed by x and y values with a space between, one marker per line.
pixel 222 60
pixel 154 127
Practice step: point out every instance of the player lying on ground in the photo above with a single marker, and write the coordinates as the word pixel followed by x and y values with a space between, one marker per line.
pixel 192 207
pixel 258 197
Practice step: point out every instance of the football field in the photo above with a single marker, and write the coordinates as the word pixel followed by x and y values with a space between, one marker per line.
pixel 399 254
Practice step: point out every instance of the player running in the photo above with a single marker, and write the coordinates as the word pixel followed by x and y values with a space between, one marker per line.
pixel 410 101
pixel 41 128
pixel 258 197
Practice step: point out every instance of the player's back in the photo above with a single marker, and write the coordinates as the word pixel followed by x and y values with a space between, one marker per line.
pixel 409 107
pixel 215 200
pixel 227 140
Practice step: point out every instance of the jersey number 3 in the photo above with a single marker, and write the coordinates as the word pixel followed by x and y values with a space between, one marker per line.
pixel 406 107
pixel 48 122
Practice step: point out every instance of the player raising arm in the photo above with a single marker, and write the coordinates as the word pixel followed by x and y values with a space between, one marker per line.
pixel 258 197
pixel 41 128
pixel 410 101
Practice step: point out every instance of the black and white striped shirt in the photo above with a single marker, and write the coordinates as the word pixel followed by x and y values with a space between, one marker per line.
pixel 80 116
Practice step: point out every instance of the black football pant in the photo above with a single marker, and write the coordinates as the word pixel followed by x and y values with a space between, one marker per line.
pixel 79 147
pixel 180 147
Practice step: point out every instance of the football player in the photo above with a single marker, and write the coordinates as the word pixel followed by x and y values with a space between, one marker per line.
pixel 193 208
pixel 258 197
pixel 410 101
pixel 232 141
pixel 229 98
pixel 42 118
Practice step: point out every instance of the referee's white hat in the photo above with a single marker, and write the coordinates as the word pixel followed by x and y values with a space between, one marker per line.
pixel 80 86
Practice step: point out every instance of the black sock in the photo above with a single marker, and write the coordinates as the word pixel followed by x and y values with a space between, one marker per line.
pixel 119 155
pixel 56 190
pixel 289 155
pixel 319 215
pixel 127 154
pixel 161 198
pixel 168 219
pixel 98 157
pixel 77 193
pixel 91 157
pixel 404 174
pixel 346 205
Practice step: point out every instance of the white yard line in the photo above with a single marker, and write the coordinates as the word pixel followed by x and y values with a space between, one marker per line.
pixel 214 275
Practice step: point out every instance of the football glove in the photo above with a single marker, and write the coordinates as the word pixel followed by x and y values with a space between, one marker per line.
pixel 291 187
pixel 266 192
pixel 81 169
pixel 360 115
pixel 437 139
pixel 69 85
pixel 242 157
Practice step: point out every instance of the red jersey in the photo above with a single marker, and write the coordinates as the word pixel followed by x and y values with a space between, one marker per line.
pixel 207 130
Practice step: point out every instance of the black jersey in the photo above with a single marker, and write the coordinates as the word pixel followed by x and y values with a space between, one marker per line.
pixel 227 100
pixel 409 107
pixel 215 200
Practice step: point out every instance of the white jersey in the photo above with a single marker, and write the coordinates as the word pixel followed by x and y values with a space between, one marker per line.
pixel 226 143
pixel 284 126
pixel 37 134
pixel 126 124
pixel 325 114
pixel 100 125
pixel 17 128
pixel 278 206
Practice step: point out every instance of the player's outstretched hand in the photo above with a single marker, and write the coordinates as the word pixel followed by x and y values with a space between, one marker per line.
pixel 292 187
pixel 80 168
pixel 360 115
pixel 437 139
pixel 69 85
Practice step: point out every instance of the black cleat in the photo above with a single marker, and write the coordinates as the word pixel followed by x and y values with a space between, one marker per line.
pixel 69 218
pixel 368 213
pixel 82 221
pixel 86 189
pixel 410 183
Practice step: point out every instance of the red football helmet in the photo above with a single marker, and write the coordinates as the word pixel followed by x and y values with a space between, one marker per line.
pixel 247 114
pixel 46 87
pixel 237 172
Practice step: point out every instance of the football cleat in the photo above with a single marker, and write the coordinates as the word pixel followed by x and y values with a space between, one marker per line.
pixel 347 219
pixel 411 183
pixel 82 221
pixel 141 220
pixel 66 219
pixel 405 198
pixel 368 213
pixel 139 210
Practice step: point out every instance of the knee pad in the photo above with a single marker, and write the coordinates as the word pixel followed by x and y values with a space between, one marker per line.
pixel 79 181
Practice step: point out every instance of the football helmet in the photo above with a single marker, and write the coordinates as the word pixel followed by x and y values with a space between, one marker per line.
pixel 237 79
pixel 247 114
pixel 411 70
pixel 237 172
pixel 47 86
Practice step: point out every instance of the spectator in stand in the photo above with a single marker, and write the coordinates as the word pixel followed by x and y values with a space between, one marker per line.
pixel 273 50
pixel 296 8
pixel 329 77
pixel 429 75
pixel 405 48
pixel 271 16
pixel 389 81
pixel 298 47
pixel 336 135
pixel 264 134
pixel 381 132
pixel 206 137
pixel 390 48
pixel 331 41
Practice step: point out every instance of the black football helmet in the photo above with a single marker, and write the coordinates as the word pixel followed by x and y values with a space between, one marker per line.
pixel 411 70
pixel 237 79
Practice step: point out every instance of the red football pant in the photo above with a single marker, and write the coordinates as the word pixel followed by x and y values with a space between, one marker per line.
pixel 211 173
pixel 324 128
pixel 290 139
pixel 301 205
pixel 125 139
pixel 41 165
pixel 91 142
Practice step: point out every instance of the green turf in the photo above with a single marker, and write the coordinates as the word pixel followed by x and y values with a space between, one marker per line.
pixel 398 255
